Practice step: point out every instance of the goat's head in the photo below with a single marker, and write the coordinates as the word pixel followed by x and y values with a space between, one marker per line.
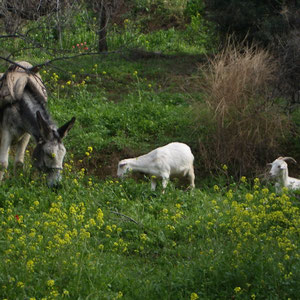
pixel 49 153
pixel 279 165
pixel 123 168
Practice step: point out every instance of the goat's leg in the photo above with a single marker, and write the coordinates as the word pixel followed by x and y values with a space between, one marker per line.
pixel 153 183
pixel 6 140
pixel 165 180
pixel 20 152
pixel 191 176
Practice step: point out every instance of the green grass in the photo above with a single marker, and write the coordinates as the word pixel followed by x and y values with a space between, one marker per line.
pixel 109 239
pixel 121 105
pixel 100 238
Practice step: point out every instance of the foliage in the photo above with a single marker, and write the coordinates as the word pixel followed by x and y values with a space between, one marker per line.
pixel 165 8
pixel 140 119
pixel 286 52
pixel 259 21
pixel 52 35
pixel 215 242
pixel 108 239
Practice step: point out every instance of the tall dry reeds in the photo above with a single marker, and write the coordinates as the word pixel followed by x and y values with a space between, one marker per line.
pixel 246 127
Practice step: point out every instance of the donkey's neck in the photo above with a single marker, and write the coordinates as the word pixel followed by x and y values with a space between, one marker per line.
pixel 28 109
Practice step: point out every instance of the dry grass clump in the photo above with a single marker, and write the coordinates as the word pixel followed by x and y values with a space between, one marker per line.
pixel 247 126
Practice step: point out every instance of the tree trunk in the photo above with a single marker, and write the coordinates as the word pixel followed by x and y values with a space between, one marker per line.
pixel 103 20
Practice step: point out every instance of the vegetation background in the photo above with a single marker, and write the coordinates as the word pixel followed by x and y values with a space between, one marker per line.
pixel 221 76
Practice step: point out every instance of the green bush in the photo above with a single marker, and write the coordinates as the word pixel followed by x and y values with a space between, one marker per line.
pixel 254 21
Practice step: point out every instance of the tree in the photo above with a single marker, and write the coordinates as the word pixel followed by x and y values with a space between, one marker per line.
pixel 14 12
pixel 104 10
pixel 257 20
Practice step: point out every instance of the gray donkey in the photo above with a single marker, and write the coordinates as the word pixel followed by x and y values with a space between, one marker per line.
pixel 23 114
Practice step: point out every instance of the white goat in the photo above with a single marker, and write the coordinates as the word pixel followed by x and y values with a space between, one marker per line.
pixel 174 159
pixel 279 171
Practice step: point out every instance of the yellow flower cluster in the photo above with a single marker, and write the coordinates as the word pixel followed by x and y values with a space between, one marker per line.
pixel 59 229
pixel 194 296
pixel 54 77
pixel 259 218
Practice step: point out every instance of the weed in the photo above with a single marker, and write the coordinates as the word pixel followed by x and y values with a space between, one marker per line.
pixel 214 243
pixel 247 127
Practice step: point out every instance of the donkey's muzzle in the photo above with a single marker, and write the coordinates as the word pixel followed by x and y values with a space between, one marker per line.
pixel 54 178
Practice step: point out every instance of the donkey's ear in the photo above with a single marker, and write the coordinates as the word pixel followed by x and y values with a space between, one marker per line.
pixel 63 130
pixel 34 69
pixel 44 128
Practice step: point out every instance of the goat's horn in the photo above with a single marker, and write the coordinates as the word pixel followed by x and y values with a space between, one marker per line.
pixel 289 158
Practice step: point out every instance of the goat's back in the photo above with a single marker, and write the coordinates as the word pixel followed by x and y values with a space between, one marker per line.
pixel 176 156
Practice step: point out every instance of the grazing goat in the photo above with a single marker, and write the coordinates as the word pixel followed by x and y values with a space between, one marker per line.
pixel 174 159
pixel 279 171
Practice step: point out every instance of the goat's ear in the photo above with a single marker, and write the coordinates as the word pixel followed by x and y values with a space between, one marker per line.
pixel 122 164
pixel 269 164
pixel 63 130
pixel 44 128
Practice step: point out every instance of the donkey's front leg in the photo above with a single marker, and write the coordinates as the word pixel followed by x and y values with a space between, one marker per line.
pixel 20 152
pixel 6 139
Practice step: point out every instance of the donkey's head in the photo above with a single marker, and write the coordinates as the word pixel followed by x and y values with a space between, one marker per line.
pixel 49 153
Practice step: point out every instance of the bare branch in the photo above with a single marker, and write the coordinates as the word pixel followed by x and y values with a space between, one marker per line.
pixel 39 66
pixel 9 36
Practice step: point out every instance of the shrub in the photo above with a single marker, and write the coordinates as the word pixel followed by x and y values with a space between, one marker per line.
pixel 246 125
pixel 287 53
pixel 257 20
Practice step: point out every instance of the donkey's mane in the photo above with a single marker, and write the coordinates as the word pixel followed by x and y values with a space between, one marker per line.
pixel 29 106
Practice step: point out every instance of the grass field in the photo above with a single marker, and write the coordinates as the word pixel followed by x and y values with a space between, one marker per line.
pixel 101 238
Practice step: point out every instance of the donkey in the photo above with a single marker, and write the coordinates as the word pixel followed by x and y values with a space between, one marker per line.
pixel 25 116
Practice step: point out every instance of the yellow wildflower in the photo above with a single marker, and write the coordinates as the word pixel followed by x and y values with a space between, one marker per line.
pixel 243 179
pixel 30 265
pixel 216 188
pixel 194 296
pixel 50 282
pixel 20 284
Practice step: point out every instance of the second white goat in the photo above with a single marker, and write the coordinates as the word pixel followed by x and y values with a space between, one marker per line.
pixel 175 159
pixel 279 171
